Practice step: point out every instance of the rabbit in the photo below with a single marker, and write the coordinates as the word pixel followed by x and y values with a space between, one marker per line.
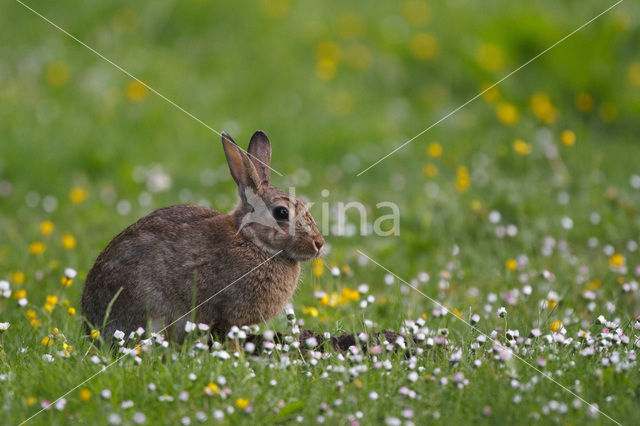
pixel 244 266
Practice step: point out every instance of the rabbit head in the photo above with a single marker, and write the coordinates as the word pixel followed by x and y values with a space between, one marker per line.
pixel 270 218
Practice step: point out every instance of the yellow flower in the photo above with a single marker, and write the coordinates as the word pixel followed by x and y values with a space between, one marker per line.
pixel 30 401
pixel 490 95
pixel 621 21
pixel 556 325
pixel 136 91
pixel 594 284
pixel 317 267
pixel 457 313
pixel 512 264
pixel 84 395
pixel 275 8
pixel 542 108
pixel 35 322
pixel 31 314
pixel 52 299
pixel 310 310
pixel 71 311
pixel 617 260
pixel 329 50
pixel 17 277
pixel 568 137
pixel 490 57
pixel 331 300
pixel 431 170
pixel 424 46
pixel 507 113
pixel 324 300
pixel 551 303
pixel 49 307
pixel 20 294
pixel 350 295
pixel 350 25
pixel 357 383
pixel 66 349
pixel 463 181
pixel 46 227
pixel 415 12
pixel 78 195
pixel 242 403
pixel 521 147
pixel 95 334
pixel 68 241
pixel 57 74
pixel 434 149
pixel 326 69
pixel 584 102
pixel 358 56
pixel 66 281
pixel 37 248
pixel 211 389
pixel 47 341
pixel 633 74
pixel 476 205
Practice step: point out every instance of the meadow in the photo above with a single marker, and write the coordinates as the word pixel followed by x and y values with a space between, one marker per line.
pixel 515 272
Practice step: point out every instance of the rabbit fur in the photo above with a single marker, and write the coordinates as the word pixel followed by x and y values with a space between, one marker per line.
pixel 248 260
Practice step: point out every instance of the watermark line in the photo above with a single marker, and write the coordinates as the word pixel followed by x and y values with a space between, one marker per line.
pixel 104 368
pixel 490 87
pixel 101 56
pixel 546 375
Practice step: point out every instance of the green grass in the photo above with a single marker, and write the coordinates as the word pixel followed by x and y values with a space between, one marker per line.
pixel 238 68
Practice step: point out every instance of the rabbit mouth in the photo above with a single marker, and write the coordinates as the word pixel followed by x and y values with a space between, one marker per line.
pixel 310 252
pixel 303 257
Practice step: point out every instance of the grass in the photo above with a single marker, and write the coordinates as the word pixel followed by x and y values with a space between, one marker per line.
pixel 335 88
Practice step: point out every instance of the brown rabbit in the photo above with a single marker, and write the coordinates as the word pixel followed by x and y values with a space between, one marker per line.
pixel 249 258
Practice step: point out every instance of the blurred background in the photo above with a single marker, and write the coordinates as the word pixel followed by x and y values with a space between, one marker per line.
pixel 86 150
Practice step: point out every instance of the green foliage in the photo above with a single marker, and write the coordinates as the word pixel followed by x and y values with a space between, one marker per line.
pixel 336 87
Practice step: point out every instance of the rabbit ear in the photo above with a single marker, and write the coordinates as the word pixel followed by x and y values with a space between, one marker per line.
pixel 242 169
pixel 260 155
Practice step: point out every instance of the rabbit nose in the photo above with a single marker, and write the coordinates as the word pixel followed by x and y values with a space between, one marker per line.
pixel 319 243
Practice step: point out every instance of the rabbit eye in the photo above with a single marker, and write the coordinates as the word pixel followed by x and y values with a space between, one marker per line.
pixel 281 213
